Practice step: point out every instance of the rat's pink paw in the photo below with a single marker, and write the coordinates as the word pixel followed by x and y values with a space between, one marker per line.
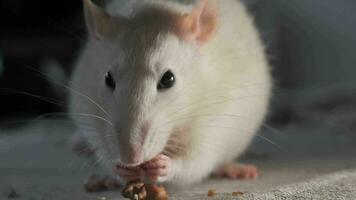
pixel 157 168
pixel 129 173
pixel 237 171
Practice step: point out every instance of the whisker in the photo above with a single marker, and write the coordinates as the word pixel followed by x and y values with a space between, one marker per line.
pixel 185 90
pixel 273 130
pixel 44 76
pixel 109 136
pixel 201 115
pixel 95 116
pixel 49 114
pixel 234 128
pixel 9 122
pixel 42 98
pixel 270 141
pixel 263 137
pixel 76 114
pixel 217 102
pixel 174 144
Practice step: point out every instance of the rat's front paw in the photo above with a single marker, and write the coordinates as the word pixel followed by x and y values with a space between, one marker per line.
pixel 129 173
pixel 158 168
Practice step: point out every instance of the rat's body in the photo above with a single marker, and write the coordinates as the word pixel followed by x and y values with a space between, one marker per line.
pixel 205 120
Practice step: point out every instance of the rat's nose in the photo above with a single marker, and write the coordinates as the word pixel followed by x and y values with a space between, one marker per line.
pixel 133 153
pixel 144 131
pixel 137 156
pixel 132 156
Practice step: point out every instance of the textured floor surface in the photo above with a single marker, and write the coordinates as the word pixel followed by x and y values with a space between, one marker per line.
pixel 36 164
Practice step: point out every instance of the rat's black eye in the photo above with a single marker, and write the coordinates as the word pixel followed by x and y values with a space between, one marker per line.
pixel 167 81
pixel 109 81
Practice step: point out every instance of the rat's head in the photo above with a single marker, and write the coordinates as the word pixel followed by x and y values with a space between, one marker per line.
pixel 147 85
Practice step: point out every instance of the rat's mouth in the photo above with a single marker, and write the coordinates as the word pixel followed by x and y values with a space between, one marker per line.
pixel 129 167
pixel 149 170
pixel 133 167
pixel 177 146
pixel 136 166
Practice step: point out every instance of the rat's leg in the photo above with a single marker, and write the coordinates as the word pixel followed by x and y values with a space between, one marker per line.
pixel 97 183
pixel 236 171
pixel 81 146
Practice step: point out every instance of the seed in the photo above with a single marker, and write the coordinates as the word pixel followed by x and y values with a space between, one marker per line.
pixel 211 193
pixel 237 193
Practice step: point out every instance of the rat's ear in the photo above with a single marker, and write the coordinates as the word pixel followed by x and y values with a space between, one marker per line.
pixel 200 24
pixel 100 24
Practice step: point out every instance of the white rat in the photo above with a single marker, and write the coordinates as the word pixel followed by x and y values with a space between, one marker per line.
pixel 170 92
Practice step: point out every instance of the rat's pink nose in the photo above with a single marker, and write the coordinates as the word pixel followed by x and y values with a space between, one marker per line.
pixel 136 154
pixel 133 153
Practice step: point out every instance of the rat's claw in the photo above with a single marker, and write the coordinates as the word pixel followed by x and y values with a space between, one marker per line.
pixel 157 168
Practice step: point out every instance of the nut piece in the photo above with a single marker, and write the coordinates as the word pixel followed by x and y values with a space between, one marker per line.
pixel 137 190
pixel 12 194
pixel 238 193
pixel 156 192
pixel 211 193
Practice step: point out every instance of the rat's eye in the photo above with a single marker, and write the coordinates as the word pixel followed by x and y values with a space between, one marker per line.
pixel 109 81
pixel 167 81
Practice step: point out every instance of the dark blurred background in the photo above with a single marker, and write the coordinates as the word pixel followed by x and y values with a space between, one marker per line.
pixel 310 44
pixel 31 32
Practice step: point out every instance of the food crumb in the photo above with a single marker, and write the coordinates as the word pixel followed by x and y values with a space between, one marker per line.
pixel 211 193
pixel 238 193
pixel 156 192
pixel 12 194
pixel 101 198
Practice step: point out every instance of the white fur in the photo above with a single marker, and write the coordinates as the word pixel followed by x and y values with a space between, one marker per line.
pixel 220 97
